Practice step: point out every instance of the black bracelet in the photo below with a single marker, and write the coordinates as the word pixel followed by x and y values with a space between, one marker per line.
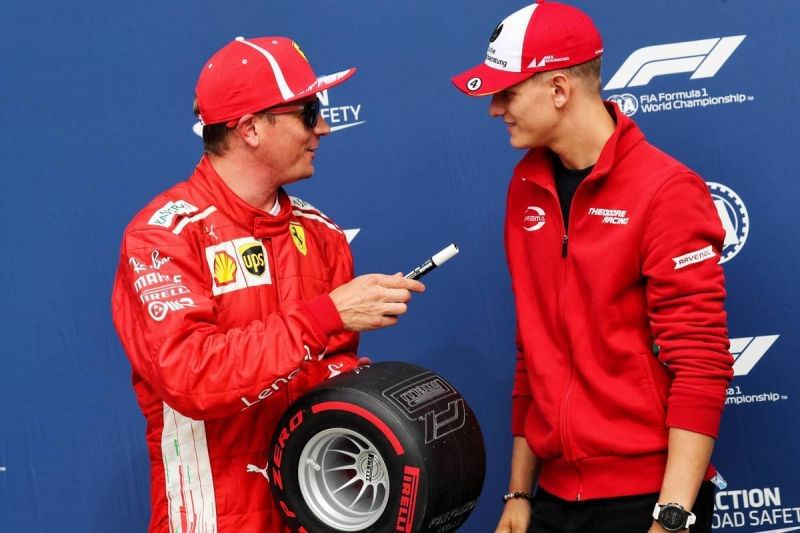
pixel 514 495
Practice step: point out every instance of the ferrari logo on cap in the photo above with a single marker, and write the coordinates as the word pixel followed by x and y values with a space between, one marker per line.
pixel 299 237
pixel 297 47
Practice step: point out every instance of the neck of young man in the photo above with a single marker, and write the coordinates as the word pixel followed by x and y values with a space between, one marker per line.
pixel 250 181
pixel 582 135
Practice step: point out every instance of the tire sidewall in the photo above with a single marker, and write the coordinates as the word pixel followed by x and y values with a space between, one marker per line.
pixel 301 424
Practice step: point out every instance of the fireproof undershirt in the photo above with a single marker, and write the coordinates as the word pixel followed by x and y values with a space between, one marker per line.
pixel 567 181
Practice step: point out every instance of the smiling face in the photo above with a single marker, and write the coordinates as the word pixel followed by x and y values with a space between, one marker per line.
pixel 529 111
pixel 289 145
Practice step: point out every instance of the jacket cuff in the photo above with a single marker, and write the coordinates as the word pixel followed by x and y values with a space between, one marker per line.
pixel 519 412
pixel 325 314
pixel 696 418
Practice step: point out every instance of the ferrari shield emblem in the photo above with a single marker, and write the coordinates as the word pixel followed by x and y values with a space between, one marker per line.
pixel 299 237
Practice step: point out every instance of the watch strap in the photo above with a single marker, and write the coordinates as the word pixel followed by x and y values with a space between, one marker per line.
pixel 689 517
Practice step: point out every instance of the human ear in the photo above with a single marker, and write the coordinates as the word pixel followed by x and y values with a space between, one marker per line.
pixel 560 89
pixel 246 129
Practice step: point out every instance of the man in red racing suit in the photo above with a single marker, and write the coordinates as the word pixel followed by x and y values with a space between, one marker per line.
pixel 232 298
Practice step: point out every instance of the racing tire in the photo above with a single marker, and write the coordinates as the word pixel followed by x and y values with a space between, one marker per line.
pixel 388 447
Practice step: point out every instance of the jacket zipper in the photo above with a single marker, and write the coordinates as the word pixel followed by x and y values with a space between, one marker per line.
pixel 273 267
pixel 271 261
pixel 563 419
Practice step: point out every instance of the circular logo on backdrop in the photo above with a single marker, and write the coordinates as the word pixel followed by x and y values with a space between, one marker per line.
pixel 733 215
pixel 473 84
pixel 496 33
pixel 533 219
pixel 627 103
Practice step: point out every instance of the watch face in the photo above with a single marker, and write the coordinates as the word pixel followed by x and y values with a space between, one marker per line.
pixel 672 517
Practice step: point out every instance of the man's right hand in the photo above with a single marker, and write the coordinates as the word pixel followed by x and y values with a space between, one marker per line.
pixel 516 517
pixel 374 301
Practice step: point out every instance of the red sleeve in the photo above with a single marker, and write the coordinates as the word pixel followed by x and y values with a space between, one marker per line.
pixel 340 352
pixel 520 394
pixel 178 347
pixel 682 243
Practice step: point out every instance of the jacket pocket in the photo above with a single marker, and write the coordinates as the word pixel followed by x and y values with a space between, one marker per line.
pixel 657 394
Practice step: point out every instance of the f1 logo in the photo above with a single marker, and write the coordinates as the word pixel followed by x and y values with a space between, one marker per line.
pixel 702 58
pixel 747 351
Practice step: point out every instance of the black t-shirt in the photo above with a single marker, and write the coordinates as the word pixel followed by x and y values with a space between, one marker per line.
pixel 567 181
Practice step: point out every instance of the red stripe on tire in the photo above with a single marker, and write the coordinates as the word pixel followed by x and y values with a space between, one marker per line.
pixel 363 413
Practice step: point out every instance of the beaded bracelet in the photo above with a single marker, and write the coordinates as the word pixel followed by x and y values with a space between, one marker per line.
pixel 513 495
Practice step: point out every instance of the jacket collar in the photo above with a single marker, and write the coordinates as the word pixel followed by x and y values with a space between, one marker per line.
pixel 259 222
pixel 537 166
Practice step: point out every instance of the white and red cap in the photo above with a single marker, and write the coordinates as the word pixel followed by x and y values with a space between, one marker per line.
pixel 539 37
pixel 249 75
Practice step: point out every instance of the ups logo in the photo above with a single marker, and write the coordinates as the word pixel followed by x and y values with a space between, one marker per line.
pixel 252 255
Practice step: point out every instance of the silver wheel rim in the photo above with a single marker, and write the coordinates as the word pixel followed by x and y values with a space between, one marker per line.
pixel 343 479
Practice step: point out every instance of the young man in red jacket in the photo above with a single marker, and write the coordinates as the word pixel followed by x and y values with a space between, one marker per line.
pixel 613 249
pixel 232 298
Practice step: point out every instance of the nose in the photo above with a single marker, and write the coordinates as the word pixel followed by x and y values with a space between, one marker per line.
pixel 322 127
pixel 497 107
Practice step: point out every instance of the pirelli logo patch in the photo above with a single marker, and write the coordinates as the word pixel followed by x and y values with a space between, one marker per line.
pixel 694 257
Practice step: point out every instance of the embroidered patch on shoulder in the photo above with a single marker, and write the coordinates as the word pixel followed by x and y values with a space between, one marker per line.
pixel 694 257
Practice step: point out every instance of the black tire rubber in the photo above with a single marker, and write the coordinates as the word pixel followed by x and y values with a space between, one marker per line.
pixel 425 433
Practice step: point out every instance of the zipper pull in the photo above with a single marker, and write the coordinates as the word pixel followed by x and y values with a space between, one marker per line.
pixel 564 242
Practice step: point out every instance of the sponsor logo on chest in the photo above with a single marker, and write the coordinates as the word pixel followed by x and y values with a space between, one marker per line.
pixel 610 216
pixel 533 219
pixel 237 264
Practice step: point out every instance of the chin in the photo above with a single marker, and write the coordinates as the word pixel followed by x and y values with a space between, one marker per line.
pixel 516 143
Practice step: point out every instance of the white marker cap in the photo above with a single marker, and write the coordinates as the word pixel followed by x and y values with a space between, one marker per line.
pixel 445 255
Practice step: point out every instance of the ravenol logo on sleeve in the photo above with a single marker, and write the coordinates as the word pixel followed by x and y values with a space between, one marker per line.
pixel 703 58
pixel 698 256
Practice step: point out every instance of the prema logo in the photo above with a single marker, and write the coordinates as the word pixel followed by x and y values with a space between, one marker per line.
pixel 747 351
pixel 703 58
pixel 534 218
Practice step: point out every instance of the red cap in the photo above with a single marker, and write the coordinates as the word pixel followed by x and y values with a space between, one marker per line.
pixel 249 75
pixel 542 36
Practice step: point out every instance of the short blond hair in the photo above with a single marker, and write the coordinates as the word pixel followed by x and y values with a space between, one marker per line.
pixel 588 72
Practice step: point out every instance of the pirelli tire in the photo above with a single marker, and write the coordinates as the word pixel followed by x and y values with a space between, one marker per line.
pixel 388 447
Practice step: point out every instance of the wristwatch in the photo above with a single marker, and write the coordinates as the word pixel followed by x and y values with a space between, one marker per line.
pixel 672 516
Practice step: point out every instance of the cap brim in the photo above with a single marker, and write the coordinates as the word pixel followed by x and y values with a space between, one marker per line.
pixel 325 82
pixel 483 80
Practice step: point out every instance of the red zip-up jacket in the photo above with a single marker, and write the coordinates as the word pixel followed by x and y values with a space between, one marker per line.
pixel 621 327
pixel 223 312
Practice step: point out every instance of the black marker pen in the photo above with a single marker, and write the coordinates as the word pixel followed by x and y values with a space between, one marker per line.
pixel 438 259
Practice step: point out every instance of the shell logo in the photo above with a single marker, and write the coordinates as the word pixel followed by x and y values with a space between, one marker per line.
pixel 224 269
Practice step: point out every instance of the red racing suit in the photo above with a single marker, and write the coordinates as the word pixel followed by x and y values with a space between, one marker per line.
pixel 223 312
pixel 621 328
